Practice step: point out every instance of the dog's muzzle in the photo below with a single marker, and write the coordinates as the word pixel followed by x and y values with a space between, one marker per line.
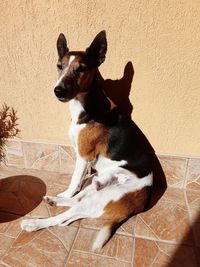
pixel 60 92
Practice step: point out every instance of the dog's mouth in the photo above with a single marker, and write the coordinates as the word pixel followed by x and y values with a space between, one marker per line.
pixel 63 99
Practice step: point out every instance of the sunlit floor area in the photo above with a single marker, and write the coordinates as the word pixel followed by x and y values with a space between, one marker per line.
pixel 168 234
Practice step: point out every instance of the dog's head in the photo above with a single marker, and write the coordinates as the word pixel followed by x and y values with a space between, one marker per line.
pixel 77 68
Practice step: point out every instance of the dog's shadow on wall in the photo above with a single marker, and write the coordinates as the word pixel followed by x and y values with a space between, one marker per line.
pixel 118 91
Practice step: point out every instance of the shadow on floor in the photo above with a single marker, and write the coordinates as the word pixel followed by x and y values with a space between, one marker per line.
pixel 188 256
pixel 19 195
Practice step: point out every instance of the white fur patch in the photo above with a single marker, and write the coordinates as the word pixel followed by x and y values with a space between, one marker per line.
pixel 81 164
pixel 103 164
pixel 64 72
pixel 102 237
pixel 75 108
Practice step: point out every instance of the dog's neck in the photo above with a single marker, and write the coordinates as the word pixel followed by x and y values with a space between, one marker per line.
pixel 94 102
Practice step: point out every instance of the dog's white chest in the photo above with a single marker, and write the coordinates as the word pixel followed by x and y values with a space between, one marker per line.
pixel 74 129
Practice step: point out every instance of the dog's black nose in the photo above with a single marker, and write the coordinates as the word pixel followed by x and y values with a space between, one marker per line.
pixel 60 91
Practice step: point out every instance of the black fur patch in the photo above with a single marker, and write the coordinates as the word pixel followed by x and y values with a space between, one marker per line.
pixel 127 142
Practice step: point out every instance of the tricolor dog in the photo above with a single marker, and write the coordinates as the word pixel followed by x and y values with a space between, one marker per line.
pixel 104 138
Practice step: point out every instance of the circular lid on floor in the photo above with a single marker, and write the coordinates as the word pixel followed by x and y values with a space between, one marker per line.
pixel 19 195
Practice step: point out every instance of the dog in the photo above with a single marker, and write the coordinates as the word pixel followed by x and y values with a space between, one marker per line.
pixel 104 139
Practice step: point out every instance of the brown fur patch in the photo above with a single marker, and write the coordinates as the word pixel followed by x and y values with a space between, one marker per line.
pixel 82 79
pixel 92 141
pixel 131 203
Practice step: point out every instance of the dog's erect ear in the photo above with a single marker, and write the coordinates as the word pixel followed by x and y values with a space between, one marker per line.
pixel 96 52
pixel 62 46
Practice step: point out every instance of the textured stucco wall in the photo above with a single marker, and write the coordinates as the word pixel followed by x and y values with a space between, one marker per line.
pixel 160 37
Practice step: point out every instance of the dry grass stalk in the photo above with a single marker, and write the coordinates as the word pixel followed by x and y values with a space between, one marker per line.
pixel 8 127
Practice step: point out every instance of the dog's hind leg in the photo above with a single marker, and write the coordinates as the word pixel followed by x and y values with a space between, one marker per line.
pixel 31 225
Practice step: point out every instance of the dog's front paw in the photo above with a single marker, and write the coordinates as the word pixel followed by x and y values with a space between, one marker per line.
pixel 30 225
pixel 50 200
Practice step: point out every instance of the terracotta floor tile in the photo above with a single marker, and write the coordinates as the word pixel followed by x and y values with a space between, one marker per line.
pixel 126 228
pixel 167 220
pixel 174 169
pixel 41 156
pixel 47 176
pixel 6 171
pixel 42 248
pixel 65 234
pixel 81 259
pixel 193 198
pixel 67 159
pixel 60 185
pixel 25 238
pixel 5 244
pixel 40 211
pixel 14 154
pixel 193 174
pixel 2 265
pixel 174 195
pixel 11 229
pixel 153 253
pixel 48 162
pixel 119 247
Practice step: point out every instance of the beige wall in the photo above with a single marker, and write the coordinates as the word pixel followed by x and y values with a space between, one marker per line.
pixel 160 37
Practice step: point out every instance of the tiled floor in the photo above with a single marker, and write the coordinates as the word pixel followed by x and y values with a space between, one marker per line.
pixel 166 235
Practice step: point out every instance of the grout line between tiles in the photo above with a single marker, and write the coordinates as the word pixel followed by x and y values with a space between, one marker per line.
pixel 100 255
pixel 42 158
pixel 49 230
pixel 6 235
pixel 70 250
pixel 59 157
pixel 59 145
pixel 155 258
pixel 149 227
pixel 25 243
pixel 186 174
pixel 188 207
pixel 24 155
pixel 48 209
pixel 98 229
pixel 133 249
pixel 68 154
pixel 170 242
pixel 158 153
pixel 90 252
pixel 5 264
pixel 7 251
pixel 189 215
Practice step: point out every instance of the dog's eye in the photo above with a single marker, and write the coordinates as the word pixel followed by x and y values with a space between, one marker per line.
pixel 59 66
pixel 80 69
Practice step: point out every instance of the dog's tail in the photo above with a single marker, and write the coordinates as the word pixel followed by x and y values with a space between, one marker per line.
pixel 104 234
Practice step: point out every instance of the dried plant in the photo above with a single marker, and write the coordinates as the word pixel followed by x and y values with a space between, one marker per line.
pixel 8 127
